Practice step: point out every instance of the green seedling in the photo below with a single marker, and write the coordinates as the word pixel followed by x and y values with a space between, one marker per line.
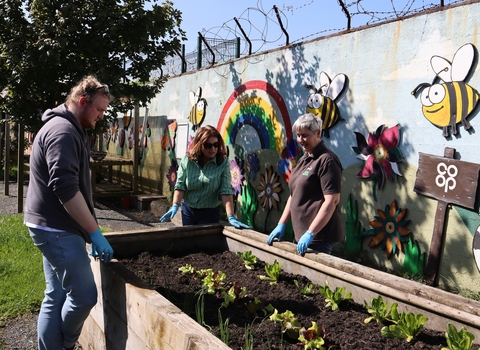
pixel 405 326
pixel 305 290
pixel 273 272
pixel 234 293
pixel 312 338
pixel 253 307
pixel 334 298
pixel 291 325
pixel 249 260
pixel 379 310
pixel 459 340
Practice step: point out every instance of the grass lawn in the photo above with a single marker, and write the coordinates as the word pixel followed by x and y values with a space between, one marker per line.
pixel 21 272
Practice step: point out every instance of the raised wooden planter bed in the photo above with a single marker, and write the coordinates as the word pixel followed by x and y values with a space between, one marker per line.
pixel 130 315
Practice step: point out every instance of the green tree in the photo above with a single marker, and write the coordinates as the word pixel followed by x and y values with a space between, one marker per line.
pixel 46 46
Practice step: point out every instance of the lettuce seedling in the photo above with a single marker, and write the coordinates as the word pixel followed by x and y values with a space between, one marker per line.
pixel 273 272
pixel 233 294
pixel 305 290
pixel 291 325
pixel 459 340
pixel 379 310
pixel 311 338
pixel 254 306
pixel 248 258
pixel 334 298
pixel 406 326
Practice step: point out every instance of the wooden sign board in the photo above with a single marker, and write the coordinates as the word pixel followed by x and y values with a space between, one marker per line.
pixel 450 181
pixel 447 180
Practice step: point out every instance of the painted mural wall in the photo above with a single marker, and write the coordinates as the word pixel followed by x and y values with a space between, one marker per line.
pixel 388 94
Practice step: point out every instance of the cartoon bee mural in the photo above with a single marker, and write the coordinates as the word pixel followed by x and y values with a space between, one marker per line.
pixel 199 108
pixel 451 102
pixel 322 101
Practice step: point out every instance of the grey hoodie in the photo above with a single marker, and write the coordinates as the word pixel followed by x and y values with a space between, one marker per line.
pixel 59 168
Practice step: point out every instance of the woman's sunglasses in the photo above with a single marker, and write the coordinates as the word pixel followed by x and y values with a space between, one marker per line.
pixel 209 145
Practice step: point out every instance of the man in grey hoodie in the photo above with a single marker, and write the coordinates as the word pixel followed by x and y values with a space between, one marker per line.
pixel 60 215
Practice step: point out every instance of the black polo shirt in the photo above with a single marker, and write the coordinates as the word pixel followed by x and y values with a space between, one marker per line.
pixel 312 178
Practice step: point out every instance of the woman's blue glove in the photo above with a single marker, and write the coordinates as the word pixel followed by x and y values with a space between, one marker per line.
pixel 277 233
pixel 304 242
pixel 170 213
pixel 100 247
pixel 235 223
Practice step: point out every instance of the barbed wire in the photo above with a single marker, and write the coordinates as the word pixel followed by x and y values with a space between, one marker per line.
pixel 260 29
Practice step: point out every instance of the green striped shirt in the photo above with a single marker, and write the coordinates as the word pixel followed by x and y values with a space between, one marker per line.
pixel 204 186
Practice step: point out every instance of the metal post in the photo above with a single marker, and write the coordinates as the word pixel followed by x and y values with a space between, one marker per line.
pixel 199 51
pixel 237 47
pixel 20 160
pixel 6 164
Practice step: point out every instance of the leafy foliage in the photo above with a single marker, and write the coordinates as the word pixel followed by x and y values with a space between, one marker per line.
pixel 305 290
pixel 405 326
pixel 248 259
pixel 273 272
pixel 334 298
pixel 459 340
pixel 48 46
pixel 379 310
pixel 291 325
pixel 312 338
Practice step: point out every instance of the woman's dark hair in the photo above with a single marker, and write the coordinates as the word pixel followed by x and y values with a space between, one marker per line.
pixel 202 136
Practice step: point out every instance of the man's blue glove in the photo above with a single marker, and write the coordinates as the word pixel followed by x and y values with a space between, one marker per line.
pixel 235 223
pixel 304 242
pixel 100 247
pixel 170 213
pixel 277 233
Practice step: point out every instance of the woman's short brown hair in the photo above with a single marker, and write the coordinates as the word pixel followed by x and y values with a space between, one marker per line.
pixel 202 136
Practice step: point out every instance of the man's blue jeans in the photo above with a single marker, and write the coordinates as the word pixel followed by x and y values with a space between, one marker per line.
pixel 70 291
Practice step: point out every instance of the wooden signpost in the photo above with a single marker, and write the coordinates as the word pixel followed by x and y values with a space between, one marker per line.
pixel 450 181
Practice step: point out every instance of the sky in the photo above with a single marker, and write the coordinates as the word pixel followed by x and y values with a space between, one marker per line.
pixel 302 19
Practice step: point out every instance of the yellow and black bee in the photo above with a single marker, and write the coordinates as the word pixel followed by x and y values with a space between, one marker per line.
pixel 199 108
pixel 451 102
pixel 322 101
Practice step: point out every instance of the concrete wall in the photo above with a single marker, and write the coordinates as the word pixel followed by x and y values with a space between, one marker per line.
pixel 383 65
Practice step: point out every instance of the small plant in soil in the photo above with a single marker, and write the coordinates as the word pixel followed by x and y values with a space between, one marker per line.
pixel 459 340
pixel 379 310
pixel 307 289
pixel 273 272
pixel 334 298
pixel 290 324
pixel 312 338
pixel 405 326
pixel 249 260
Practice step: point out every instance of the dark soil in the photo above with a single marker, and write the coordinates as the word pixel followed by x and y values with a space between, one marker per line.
pixel 345 328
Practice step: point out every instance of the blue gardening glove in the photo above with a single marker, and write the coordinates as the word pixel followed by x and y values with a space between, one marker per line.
pixel 100 247
pixel 170 213
pixel 235 223
pixel 277 233
pixel 304 242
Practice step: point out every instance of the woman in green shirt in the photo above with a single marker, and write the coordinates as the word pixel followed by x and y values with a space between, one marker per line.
pixel 203 182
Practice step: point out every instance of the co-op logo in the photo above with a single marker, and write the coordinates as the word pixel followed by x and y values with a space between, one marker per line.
pixel 446 176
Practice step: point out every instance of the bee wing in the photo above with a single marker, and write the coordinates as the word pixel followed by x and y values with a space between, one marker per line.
pixel 442 68
pixel 337 86
pixel 462 62
pixel 192 97
pixel 324 83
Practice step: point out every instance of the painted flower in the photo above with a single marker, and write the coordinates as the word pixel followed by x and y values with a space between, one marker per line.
pixel 389 229
pixel 290 156
pixel 236 173
pixel 380 154
pixel 172 173
pixel 253 165
pixel 269 189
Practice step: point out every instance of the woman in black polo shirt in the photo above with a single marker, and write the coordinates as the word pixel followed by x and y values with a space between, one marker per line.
pixel 315 185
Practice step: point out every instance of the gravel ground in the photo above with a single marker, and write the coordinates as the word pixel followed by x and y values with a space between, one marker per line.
pixel 21 333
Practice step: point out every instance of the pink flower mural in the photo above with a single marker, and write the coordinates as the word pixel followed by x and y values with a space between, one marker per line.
pixel 380 154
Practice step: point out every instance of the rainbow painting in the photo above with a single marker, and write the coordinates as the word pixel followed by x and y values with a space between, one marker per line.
pixel 258 104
